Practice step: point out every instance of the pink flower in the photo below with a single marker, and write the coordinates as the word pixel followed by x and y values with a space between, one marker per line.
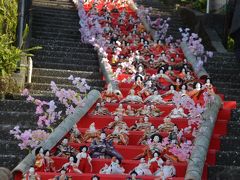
pixel 25 92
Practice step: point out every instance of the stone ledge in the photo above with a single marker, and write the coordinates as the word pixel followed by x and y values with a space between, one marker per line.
pixel 199 23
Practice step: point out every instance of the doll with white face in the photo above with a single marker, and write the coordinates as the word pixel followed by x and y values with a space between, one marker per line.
pixel 71 166
pixel 84 160
pixel 91 133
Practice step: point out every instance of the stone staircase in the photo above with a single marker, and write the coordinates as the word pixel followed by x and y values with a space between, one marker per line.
pixel 55 25
pixel 224 71
pixel 165 10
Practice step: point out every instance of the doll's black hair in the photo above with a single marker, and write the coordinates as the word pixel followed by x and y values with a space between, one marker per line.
pixel 81 148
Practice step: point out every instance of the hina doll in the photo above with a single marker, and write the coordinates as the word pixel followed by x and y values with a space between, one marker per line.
pixel 84 160
pixel 156 162
pixel 117 121
pixel 163 79
pixel 183 90
pixel 64 150
pixel 113 168
pixel 153 145
pixel 119 111
pixel 177 112
pixel 91 133
pixel 142 169
pixel 132 98
pixel 31 175
pixel 129 111
pixel 138 84
pixel 111 96
pixel 167 171
pixel 102 148
pixel 39 165
pixel 49 163
pixel 156 98
pixel 75 135
pixel 208 87
pixel 71 166
pixel 147 135
pixel 147 90
pixel 155 112
pixel 173 135
pixel 167 125
pixel 196 92
pixel 62 176
pixel 170 93
pixel 119 135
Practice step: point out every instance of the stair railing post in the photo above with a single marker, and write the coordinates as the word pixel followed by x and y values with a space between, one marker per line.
pixel 208 7
pixel 30 67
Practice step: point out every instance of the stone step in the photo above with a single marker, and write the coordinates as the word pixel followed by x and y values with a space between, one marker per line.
pixel 55 2
pixel 10 147
pixel 9 119
pixel 231 97
pixel 222 69
pixel 53 47
pixel 235 114
pixel 228 158
pixel 230 55
pixel 60 54
pixel 11 161
pixel 63 24
pixel 63 66
pixel 66 73
pixel 65 60
pixel 56 35
pixel 53 16
pixel 227 90
pixel 57 38
pixel 52 21
pixel 233 128
pixel 46 87
pixel 17 106
pixel 61 80
pixel 234 78
pixel 222 172
pixel 230 143
pixel 52 4
pixel 230 85
pixel 66 31
pixel 222 63
pixel 61 43
pixel 54 11
pixel 5 129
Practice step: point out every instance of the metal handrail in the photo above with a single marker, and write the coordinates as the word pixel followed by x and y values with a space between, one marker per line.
pixel 24 9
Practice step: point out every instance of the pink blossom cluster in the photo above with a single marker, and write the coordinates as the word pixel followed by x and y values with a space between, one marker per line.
pixel 47 111
pixel 29 138
pixel 195 45
pixel 92 32
pixel 195 111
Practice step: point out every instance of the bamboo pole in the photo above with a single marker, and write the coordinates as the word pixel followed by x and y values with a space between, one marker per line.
pixel 193 61
pixel 59 132
pixel 202 141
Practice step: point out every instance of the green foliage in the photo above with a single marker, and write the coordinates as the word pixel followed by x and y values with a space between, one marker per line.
pixel 199 5
pixel 9 56
pixel 8 18
pixel 230 44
